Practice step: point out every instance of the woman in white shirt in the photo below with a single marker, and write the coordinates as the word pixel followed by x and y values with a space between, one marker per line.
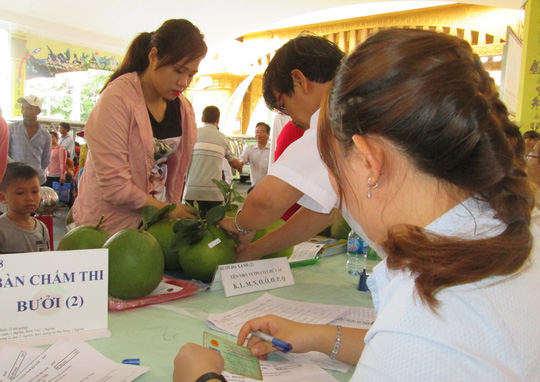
pixel 413 138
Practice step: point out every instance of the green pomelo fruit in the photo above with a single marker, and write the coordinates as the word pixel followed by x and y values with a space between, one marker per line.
pixel 325 232
pixel 261 232
pixel 200 260
pixel 340 229
pixel 84 237
pixel 135 263
pixel 163 232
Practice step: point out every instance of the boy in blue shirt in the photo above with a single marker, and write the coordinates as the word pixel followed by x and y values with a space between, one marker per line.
pixel 19 231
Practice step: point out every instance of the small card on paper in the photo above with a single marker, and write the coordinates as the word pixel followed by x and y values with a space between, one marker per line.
pixel 238 359
pixel 252 276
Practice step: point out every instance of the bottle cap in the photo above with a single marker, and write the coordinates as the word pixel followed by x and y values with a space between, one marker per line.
pixel 362 284
pixel 132 361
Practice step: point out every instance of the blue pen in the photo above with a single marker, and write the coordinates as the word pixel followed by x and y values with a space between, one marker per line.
pixel 278 344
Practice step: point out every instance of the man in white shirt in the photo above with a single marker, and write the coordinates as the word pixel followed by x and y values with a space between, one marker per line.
pixel 65 139
pixel 258 154
pixel 295 83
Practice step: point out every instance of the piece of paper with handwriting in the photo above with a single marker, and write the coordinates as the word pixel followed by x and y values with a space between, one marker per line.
pixel 50 295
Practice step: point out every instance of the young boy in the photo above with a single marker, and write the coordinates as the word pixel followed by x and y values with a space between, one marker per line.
pixel 19 231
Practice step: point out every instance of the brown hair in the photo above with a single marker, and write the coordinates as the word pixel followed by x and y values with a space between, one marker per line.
pixel 429 95
pixel 175 40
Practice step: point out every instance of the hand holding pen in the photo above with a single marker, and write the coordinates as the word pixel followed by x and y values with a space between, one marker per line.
pixel 271 333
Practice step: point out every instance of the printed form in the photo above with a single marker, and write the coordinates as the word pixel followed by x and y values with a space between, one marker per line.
pixel 72 360
pixel 298 367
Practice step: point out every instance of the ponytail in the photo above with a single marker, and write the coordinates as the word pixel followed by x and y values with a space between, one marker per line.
pixel 136 58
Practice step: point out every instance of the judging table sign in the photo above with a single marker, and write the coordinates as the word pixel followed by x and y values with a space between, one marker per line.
pixel 252 276
pixel 51 295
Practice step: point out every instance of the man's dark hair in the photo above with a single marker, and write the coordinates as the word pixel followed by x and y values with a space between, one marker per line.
pixel 531 134
pixel 17 170
pixel 65 125
pixel 210 114
pixel 266 126
pixel 316 57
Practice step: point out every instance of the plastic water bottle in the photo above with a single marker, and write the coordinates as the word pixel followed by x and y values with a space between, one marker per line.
pixel 357 250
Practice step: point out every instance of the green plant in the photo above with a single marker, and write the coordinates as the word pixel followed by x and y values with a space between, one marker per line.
pixel 230 195
pixel 190 231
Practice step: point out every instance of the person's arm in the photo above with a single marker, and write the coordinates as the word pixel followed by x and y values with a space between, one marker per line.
pixel 303 338
pixel 267 203
pixel 303 225
pixel 62 158
pixel 193 361
pixel 46 154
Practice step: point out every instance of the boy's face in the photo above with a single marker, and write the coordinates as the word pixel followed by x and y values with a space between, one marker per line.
pixel 22 195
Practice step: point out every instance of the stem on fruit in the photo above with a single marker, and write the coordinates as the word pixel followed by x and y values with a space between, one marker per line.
pixel 100 221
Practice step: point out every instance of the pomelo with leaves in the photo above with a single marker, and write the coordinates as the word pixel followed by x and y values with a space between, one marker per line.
pixel 84 237
pixel 202 245
pixel 160 225
pixel 136 262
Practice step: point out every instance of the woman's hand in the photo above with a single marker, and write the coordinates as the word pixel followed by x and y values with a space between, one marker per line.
pixel 193 360
pixel 298 335
pixel 244 250
pixel 181 212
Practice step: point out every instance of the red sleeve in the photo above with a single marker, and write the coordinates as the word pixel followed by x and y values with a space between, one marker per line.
pixel 288 135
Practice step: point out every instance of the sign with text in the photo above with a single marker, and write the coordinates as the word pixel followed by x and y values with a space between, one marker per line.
pixel 253 276
pixel 50 295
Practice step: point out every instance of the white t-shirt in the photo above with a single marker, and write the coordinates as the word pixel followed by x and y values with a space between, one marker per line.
pixel 301 166
pixel 258 161
pixel 485 331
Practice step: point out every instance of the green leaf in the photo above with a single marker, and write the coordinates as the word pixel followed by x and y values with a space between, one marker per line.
pixel 147 212
pixel 215 214
pixel 223 186
pixel 187 222
pixel 238 198
pixel 186 235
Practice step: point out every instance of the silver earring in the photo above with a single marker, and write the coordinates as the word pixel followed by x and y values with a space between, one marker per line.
pixel 371 187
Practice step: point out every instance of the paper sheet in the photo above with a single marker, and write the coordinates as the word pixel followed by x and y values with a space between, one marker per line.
pixel 275 371
pixel 309 313
pixel 13 359
pixel 71 360
pixel 360 318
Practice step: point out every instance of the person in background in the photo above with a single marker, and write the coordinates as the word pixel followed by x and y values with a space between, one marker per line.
pixel 257 154
pixel 28 141
pixel 19 231
pixel 280 120
pixel 288 135
pixel 56 171
pixel 531 137
pixel 514 137
pixel 65 139
pixel 417 152
pixel 82 157
pixel 207 163
pixel 4 140
pixel 142 130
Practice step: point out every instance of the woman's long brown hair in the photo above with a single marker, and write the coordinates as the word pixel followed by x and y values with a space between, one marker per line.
pixel 429 95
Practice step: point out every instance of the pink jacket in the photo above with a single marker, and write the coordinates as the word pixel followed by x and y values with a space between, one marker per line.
pixel 115 181
pixel 4 140
pixel 57 167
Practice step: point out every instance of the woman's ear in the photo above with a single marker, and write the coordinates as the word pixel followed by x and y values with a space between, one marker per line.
pixel 152 56
pixel 3 199
pixel 372 153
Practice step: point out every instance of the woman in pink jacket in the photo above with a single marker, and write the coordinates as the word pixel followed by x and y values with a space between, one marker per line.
pixel 142 130
pixel 4 139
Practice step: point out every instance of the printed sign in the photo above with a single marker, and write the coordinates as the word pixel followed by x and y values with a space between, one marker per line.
pixel 51 295
pixel 252 276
